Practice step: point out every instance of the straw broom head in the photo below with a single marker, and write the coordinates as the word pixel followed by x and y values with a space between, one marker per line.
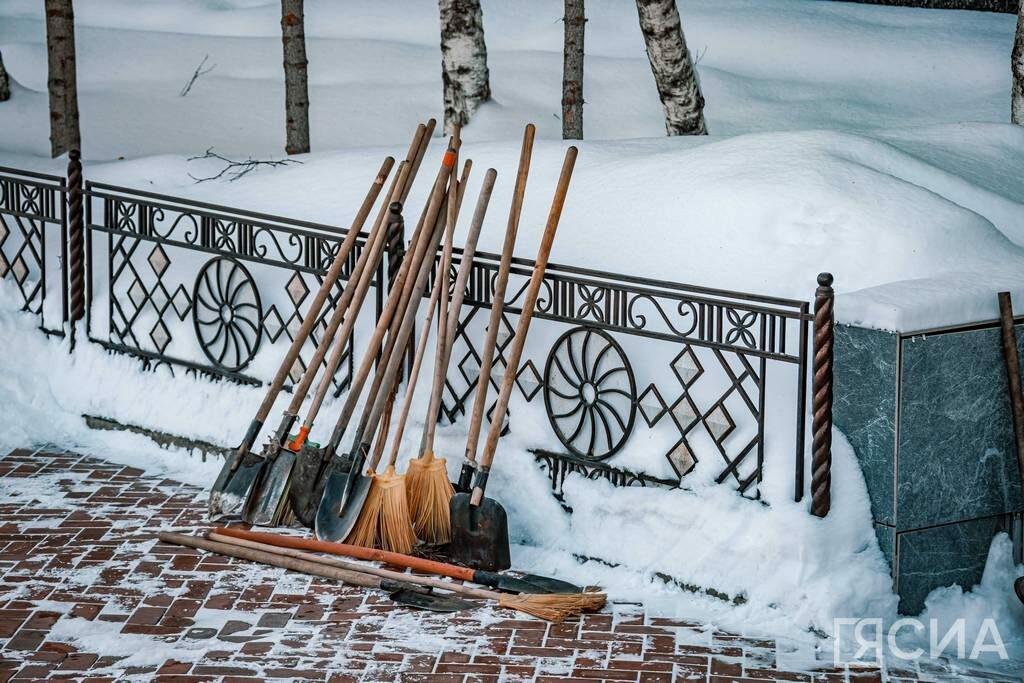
pixel 554 606
pixel 395 525
pixel 429 495
pixel 364 532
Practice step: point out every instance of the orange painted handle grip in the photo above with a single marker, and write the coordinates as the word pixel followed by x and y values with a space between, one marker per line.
pixel 300 439
pixel 356 551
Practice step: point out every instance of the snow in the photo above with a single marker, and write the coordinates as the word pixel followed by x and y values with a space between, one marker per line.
pixel 866 141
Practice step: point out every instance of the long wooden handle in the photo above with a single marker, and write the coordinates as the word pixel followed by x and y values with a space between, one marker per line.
pixel 429 581
pixel 1012 358
pixel 498 299
pixel 451 319
pixel 519 341
pixel 355 551
pixel 333 273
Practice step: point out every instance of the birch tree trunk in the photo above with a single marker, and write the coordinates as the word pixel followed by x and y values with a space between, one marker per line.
pixel 678 85
pixel 5 82
pixel 296 87
pixel 572 71
pixel 62 80
pixel 1017 106
pixel 463 61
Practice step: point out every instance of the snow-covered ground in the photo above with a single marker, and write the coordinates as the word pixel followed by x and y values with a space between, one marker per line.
pixel 867 141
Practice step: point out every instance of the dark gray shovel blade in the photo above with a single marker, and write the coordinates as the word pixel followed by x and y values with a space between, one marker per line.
pixel 267 498
pixel 547 584
pixel 344 495
pixel 307 487
pixel 232 499
pixel 1018 586
pixel 432 601
pixel 479 534
pixel 507 583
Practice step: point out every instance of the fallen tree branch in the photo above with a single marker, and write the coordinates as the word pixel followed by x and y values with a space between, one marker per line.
pixel 200 71
pixel 233 170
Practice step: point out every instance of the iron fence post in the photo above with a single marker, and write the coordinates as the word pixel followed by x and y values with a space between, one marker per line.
pixel 821 420
pixel 76 242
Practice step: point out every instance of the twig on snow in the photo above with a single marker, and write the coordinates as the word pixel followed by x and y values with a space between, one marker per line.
pixel 195 76
pixel 233 170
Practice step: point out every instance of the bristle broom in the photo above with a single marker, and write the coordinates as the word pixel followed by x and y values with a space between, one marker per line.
pixel 395 532
pixel 364 532
pixel 430 492
pixel 553 606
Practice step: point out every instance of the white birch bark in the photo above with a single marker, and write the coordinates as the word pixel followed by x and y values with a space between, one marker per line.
pixel 1017 104
pixel 672 65
pixel 62 80
pixel 5 82
pixel 463 61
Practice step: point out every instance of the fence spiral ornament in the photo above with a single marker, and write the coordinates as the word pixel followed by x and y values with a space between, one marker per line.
pixel 589 393
pixel 76 239
pixel 821 420
pixel 227 313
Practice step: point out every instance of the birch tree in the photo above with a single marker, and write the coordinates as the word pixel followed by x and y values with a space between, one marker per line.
pixel 572 71
pixel 5 82
pixel 1017 107
pixel 672 65
pixel 463 61
pixel 62 79
pixel 296 86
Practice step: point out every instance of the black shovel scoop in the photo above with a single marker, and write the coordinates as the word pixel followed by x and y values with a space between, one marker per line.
pixel 1018 587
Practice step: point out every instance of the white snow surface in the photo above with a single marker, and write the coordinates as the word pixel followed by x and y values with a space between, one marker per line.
pixel 866 141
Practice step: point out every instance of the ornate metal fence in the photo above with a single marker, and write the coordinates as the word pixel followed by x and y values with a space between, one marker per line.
pixel 33 242
pixel 206 287
pixel 641 379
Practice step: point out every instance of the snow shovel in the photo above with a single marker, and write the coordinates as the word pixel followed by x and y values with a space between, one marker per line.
pixel 480 525
pixel 497 305
pixel 344 496
pixel 402 592
pixel 315 470
pixel 265 505
pixel 231 488
pixel 504 582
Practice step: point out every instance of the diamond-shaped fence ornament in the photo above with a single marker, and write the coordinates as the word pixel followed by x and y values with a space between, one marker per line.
pixel 505 333
pixel 273 324
pixel 19 269
pixel 158 260
pixel 469 366
pixel 137 293
pixel 3 232
pixel 295 374
pixel 4 266
pixel 684 412
pixel 297 289
pixel 159 298
pixel 160 336
pixel 181 302
pixel 686 367
pixel 528 380
pixel 719 423
pixel 652 405
pixel 681 458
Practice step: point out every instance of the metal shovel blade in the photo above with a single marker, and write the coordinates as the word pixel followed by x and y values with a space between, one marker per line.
pixel 230 501
pixel 344 495
pixel 432 601
pixel 1018 587
pixel 479 534
pixel 549 584
pixel 267 497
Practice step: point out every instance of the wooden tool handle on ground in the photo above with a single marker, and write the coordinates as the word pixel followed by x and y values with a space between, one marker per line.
pixel 498 299
pixel 451 319
pixel 532 292
pixel 1012 357
pixel 355 551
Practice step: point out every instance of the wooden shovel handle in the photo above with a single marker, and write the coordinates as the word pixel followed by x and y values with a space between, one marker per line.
pixel 355 551
pixel 532 292
pixel 498 299
pixel 1012 359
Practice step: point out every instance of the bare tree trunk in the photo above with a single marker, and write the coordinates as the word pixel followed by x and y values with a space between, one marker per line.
pixel 463 61
pixel 296 88
pixel 62 84
pixel 1017 106
pixel 5 82
pixel 678 85
pixel 572 71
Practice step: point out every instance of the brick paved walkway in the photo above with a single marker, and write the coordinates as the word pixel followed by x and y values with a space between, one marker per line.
pixel 87 593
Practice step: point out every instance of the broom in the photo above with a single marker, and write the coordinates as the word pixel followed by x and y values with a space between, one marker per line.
pixel 427 484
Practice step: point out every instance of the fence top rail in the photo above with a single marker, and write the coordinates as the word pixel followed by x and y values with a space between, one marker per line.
pixel 60 180
pixel 104 191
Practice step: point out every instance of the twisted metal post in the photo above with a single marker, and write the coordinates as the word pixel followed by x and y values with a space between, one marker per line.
pixel 821 420
pixel 76 242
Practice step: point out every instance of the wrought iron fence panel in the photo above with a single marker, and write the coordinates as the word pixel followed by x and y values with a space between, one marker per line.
pixel 691 363
pixel 33 239
pixel 205 287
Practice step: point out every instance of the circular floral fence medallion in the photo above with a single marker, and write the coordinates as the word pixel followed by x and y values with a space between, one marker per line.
pixel 227 313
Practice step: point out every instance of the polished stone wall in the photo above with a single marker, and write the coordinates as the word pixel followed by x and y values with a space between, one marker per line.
pixel 929 418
